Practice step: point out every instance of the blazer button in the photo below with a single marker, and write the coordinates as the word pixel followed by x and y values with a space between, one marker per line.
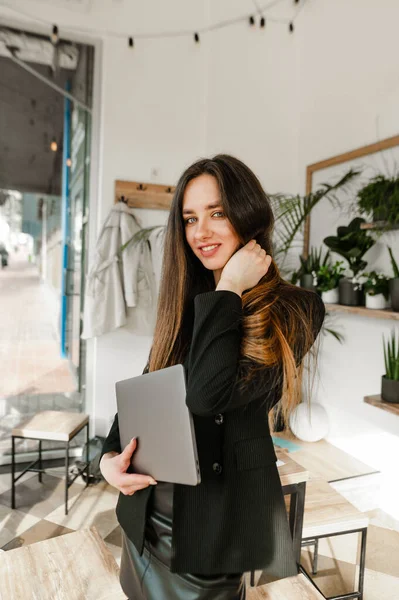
pixel 219 419
pixel 217 467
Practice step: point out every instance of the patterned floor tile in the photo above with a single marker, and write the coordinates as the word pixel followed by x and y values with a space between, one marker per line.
pixel 42 530
pixel 14 523
pixel 40 499
pixel 95 506
pixel 338 577
pixel 115 537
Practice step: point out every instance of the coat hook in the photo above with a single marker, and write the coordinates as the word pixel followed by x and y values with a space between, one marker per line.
pixel 168 190
pixel 141 187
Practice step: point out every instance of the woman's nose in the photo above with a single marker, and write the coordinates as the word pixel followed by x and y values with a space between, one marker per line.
pixel 202 230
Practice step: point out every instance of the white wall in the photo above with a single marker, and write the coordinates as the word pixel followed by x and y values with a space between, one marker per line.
pixel 252 93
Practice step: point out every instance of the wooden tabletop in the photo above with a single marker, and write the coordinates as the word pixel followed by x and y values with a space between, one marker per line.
pixel 289 588
pixel 290 472
pixel 324 460
pixel 54 425
pixel 74 566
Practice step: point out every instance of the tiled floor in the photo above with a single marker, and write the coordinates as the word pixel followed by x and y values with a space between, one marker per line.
pixel 40 515
pixel 32 375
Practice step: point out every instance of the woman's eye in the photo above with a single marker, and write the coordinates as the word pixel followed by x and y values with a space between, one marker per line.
pixel 190 219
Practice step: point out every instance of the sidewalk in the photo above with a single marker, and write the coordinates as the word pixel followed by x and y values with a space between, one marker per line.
pixel 33 377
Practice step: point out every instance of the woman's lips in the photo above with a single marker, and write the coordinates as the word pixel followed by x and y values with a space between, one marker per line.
pixel 209 253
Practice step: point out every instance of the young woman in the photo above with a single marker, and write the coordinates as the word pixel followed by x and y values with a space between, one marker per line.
pixel 241 332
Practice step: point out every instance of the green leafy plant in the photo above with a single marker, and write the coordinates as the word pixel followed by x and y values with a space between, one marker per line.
pixel 393 263
pixel 310 265
pixel 352 243
pixel 328 276
pixel 391 357
pixel 376 283
pixel 380 198
pixel 291 212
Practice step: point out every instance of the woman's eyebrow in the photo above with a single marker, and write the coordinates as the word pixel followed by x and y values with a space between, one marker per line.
pixel 189 211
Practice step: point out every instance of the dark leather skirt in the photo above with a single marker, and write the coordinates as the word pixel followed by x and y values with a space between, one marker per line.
pixel 148 577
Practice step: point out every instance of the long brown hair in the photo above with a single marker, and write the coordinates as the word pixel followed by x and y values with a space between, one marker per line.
pixel 278 324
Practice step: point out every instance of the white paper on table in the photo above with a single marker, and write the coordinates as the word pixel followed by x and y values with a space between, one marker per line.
pixel 280 463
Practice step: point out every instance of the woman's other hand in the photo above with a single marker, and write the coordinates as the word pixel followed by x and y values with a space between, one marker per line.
pixel 245 268
pixel 113 466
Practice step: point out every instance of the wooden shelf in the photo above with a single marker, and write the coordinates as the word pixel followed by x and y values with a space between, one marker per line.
pixel 380 225
pixel 379 403
pixel 374 313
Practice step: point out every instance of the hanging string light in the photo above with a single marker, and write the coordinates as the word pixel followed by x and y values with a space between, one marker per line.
pixel 251 19
pixel 54 36
pixel 54 145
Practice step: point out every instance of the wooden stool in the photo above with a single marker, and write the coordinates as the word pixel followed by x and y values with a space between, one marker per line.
pixel 56 426
pixel 328 514
pixel 74 565
pixel 290 588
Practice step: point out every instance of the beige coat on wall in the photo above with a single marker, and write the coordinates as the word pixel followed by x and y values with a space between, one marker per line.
pixel 120 288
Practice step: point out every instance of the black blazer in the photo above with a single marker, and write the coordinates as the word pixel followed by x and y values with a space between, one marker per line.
pixel 235 519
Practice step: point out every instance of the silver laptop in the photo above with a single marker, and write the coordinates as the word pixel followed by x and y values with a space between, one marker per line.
pixel 152 407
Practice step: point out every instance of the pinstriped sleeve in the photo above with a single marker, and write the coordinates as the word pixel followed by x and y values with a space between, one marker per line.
pixel 214 357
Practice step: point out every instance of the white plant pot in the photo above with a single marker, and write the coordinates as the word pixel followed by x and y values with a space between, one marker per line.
pixel 378 301
pixel 332 296
pixel 309 423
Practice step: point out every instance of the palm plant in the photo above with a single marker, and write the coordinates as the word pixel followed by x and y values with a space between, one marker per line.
pixel 291 213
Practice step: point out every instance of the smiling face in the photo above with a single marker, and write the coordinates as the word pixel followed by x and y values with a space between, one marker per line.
pixel 209 233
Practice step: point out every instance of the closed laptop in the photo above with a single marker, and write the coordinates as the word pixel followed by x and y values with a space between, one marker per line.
pixel 152 407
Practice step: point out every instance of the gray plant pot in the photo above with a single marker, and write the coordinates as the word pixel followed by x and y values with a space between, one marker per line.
pixel 348 296
pixel 306 282
pixel 394 291
pixel 389 390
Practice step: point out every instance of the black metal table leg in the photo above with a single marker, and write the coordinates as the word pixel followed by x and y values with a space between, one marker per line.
pixel 66 477
pixel 362 562
pixel 297 508
pixel 40 460
pixel 12 471
pixel 87 454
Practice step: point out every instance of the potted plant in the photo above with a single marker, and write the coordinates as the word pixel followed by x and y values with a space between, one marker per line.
pixel 380 199
pixel 310 266
pixel 390 381
pixel 376 288
pixel 394 283
pixel 352 243
pixel 328 277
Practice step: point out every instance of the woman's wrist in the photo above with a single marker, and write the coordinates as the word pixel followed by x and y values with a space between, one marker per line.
pixel 229 286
